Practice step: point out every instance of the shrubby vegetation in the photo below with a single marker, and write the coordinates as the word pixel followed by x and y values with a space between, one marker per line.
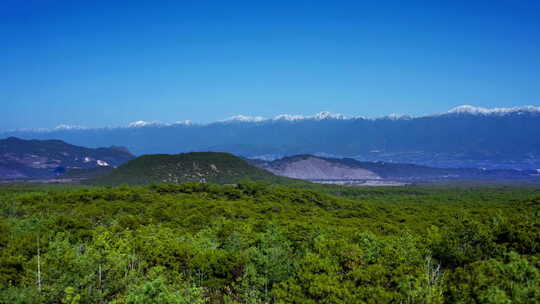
pixel 209 167
pixel 261 243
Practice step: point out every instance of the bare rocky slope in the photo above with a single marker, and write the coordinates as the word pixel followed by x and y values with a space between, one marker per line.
pixel 309 167
pixel 314 168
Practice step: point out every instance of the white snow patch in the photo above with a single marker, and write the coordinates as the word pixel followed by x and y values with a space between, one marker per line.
pixel 286 117
pixel 328 115
pixel 395 116
pixel 102 163
pixel 142 123
pixel 184 122
pixel 318 116
pixel 87 159
pixel 289 117
pixel 468 109
pixel 244 118
pixel 68 127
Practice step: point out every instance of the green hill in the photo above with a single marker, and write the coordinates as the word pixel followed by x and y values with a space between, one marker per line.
pixel 208 167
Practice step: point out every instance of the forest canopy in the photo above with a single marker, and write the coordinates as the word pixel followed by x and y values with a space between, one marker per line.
pixel 262 243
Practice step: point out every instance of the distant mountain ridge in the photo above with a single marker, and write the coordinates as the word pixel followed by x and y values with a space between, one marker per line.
pixel 31 159
pixel 464 109
pixel 314 168
pixel 465 136
pixel 206 167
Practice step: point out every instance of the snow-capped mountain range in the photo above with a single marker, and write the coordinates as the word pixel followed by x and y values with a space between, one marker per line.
pixel 464 109
pixel 465 136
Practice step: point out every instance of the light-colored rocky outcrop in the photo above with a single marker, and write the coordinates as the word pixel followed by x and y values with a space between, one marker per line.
pixel 313 168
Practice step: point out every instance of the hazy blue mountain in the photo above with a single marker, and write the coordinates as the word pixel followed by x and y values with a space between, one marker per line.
pixel 314 168
pixel 463 137
pixel 30 159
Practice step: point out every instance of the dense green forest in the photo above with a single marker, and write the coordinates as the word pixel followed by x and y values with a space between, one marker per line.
pixel 262 243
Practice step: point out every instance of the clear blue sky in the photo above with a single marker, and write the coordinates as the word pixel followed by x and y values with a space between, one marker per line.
pixel 107 63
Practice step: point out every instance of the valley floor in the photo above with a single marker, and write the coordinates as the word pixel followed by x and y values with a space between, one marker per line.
pixel 361 183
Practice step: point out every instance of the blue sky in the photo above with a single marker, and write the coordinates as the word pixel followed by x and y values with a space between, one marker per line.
pixel 98 63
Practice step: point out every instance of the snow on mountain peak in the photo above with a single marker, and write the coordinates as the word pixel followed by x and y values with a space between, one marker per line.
pixel 289 117
pixel 468 109
pixel 68 127
pixel 395 116
pixel 184 122
pixel 285 117
pixel 319 116
pixel 327 115
pixel 464 109
pixel 142 123
pixel 460 110
pixel 139 123
pixel 243 118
